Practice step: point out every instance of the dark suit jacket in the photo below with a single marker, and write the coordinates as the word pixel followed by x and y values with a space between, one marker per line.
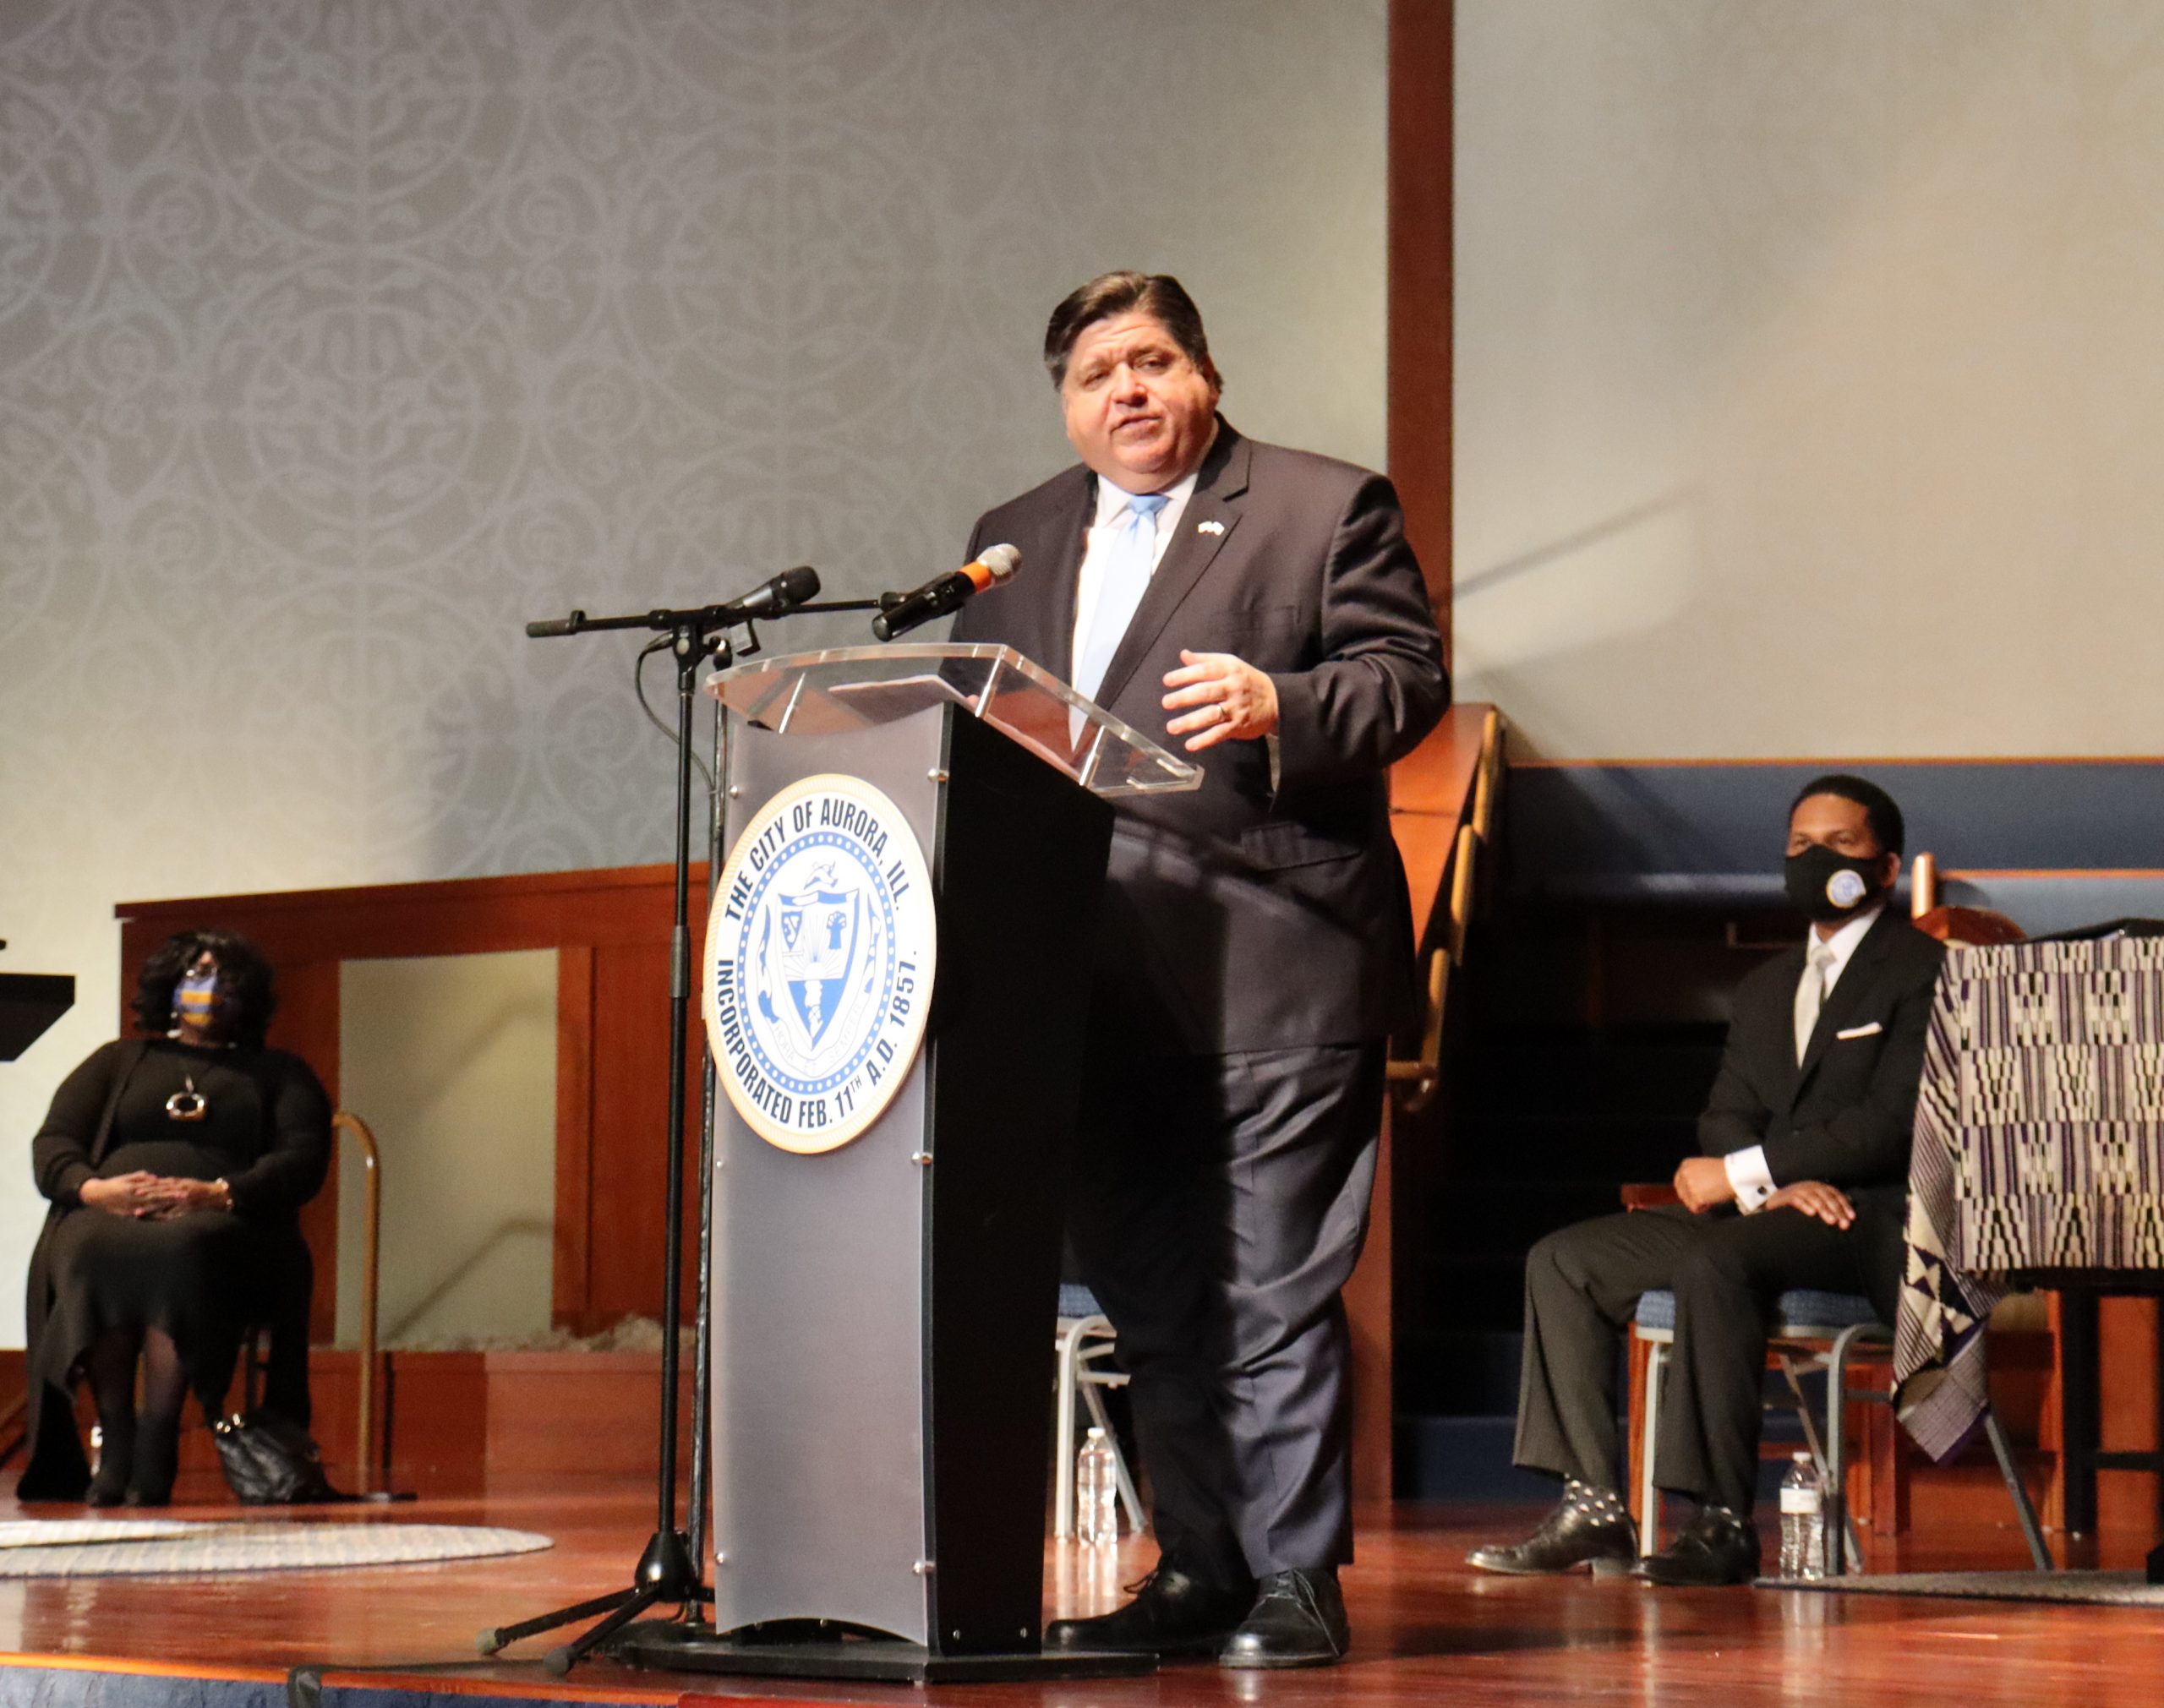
pixel 1241 916
pixel 1844 1113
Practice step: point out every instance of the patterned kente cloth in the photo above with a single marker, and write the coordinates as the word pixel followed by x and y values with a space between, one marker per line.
pixel 2039 1144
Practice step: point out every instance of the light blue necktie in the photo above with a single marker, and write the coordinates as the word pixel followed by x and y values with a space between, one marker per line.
pixel 1130 556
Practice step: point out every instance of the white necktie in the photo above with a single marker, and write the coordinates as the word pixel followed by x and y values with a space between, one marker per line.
pixel 1130 557
pixel 1811 996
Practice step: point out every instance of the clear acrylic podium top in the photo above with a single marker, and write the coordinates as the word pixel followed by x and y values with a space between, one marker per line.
pixel 849 688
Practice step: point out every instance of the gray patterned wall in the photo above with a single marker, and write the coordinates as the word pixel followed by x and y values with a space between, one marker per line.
pixel 1810 375
pixel 337 339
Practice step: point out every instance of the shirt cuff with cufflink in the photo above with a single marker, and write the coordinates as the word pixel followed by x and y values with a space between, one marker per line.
pixel 1749 1178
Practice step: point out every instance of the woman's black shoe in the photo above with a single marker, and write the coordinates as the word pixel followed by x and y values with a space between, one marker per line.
pixel 1171 1614
pixel 1588 1526
pixel 109 1488
pixel 1718 1546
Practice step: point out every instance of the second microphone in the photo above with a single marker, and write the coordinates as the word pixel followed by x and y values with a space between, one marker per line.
pixel 946 593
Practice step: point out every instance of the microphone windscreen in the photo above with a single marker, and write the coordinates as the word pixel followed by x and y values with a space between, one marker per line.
pixel 992 566
pixel 798 585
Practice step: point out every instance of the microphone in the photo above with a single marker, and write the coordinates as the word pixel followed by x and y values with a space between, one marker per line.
pixel 784 592
pixel 774 598
pixel 944 593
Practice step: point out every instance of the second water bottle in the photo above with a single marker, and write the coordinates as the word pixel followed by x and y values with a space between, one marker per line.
pixel 1096 1493
pixel 1803 1522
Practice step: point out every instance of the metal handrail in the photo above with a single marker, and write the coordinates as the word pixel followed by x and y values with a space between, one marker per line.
pixel 355 1129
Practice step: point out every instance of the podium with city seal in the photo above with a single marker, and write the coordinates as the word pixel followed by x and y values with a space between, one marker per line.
pixel 896 980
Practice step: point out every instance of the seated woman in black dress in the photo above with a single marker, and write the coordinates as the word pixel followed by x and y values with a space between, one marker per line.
pixel 177 1165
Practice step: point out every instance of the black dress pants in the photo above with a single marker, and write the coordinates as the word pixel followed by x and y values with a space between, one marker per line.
pixel 1582 1288
pixel 1219 1204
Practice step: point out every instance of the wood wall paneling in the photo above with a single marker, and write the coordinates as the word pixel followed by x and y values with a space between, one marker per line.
pixel 573 1284
pixel 1419 455
pixel 1369 1311
pixel 1419 243
pixel 629 1151
pixel 2127 1350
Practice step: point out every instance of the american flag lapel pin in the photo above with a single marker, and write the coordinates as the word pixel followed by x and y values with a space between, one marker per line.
pixel 1209 527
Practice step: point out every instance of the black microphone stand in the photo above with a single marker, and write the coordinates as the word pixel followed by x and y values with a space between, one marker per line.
pixel 669 1571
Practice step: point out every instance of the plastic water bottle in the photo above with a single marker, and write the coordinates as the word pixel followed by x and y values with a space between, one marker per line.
pixel 1096 1493
pixel 1803 1522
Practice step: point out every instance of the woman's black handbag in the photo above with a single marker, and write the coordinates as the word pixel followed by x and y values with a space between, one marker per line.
pixel 271 1461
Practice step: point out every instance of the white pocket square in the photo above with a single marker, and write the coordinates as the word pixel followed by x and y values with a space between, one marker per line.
pixel 1870 1031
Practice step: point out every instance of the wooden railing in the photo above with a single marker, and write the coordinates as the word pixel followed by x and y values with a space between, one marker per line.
pixel 1417 1078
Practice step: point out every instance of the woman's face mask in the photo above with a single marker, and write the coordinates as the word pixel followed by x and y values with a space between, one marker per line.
pixel 197 1003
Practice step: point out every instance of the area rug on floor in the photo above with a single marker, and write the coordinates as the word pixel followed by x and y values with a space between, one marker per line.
pixel 129 1547
pixel 49 1532
pixel 2114 1589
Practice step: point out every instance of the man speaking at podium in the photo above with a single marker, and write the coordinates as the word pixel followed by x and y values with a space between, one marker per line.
pixel 1260 606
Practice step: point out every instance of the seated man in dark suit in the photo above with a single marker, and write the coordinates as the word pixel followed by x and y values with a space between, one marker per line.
pixel 1803 1182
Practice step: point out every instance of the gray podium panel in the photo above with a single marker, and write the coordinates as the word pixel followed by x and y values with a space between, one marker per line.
pixel 818 1308
pixel 884 1275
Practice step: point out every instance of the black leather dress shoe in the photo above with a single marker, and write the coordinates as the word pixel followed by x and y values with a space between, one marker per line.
pixel 1718 1546
pixel 1591 1527
pixel 1172 1613
pixel 1297 1620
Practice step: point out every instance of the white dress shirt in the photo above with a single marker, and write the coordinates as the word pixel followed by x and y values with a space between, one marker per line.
pixel 1751 1181
pixel 1111 506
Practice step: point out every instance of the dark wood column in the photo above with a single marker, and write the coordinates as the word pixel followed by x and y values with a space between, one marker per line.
pixel 1419 244
pixel 1419 449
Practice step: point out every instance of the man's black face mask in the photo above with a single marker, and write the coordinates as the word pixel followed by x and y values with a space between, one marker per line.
pixel 1829 886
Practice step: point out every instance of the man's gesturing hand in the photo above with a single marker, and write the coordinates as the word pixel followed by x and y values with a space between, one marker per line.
pixel 1702 1182
pixel 1232 700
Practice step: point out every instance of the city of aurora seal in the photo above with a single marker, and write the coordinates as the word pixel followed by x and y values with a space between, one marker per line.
pixel 819 963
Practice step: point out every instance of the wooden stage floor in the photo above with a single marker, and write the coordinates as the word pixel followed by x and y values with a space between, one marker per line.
pixel 1426 1630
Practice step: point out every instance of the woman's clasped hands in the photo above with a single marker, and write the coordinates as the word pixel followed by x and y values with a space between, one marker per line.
pixel 148 1196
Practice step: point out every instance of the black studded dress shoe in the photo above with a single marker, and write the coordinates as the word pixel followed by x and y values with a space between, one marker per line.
pixel 1718 1546
pixel 1172 1613
pixel 1589 1526
pixel 1297 1620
